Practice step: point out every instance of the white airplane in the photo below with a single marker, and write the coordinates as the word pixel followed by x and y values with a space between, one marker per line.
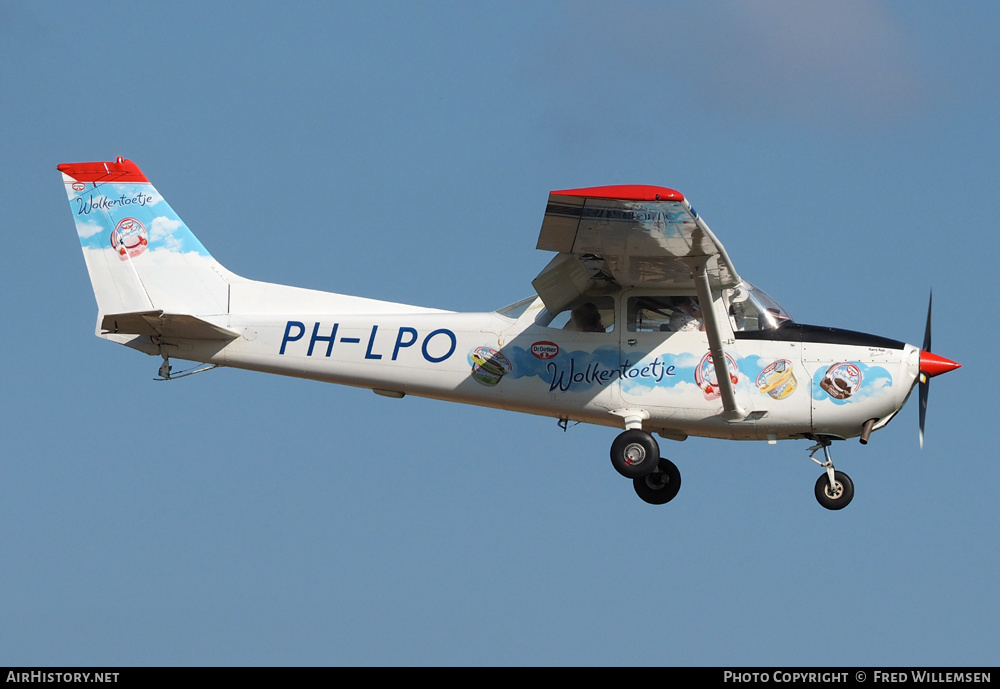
pixel 639 322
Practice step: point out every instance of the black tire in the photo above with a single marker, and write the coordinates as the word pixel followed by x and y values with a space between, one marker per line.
pixel 635 454
pixel 840 496
pixel 661 486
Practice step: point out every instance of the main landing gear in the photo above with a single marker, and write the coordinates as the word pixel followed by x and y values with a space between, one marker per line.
pixel 834 489
pixel 635 454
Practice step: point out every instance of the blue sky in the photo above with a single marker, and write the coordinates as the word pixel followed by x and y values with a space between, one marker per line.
pixel 846 155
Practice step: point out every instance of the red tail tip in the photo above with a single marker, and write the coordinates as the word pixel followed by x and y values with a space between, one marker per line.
pixel 932 365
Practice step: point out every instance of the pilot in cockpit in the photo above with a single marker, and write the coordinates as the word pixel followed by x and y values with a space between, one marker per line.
pixel 586 319
pixel 751 309
pixel 686 315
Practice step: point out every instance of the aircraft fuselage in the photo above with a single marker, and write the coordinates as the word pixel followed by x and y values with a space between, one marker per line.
pixel 788 387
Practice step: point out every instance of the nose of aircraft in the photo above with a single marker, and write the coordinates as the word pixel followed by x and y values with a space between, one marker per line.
pixel 932 365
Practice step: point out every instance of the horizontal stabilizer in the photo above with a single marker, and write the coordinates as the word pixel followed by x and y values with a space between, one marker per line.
pixel 164 324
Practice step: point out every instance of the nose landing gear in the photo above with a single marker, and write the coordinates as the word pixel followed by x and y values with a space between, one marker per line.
pixel 834 489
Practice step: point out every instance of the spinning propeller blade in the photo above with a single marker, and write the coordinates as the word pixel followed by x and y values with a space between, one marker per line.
pixel 930 366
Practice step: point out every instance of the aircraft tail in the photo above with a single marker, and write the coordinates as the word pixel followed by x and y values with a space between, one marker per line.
pixel 152 277
pixel 143 260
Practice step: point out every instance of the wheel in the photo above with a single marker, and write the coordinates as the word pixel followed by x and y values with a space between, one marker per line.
pixel 635 453
pixel 661 486
pixel 839 495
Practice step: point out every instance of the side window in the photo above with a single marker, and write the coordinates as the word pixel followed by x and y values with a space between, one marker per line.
pixel 587 315
pixel 664 314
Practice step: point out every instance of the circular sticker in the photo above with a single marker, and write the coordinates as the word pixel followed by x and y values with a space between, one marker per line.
pixel 704 375
pixel 777 380
pixel 841 380
pixel 129 238
pixel 489 365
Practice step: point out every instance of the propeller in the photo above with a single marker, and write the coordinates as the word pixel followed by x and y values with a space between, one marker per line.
pixel 930 365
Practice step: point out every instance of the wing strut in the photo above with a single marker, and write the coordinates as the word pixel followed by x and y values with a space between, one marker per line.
pixel 733 412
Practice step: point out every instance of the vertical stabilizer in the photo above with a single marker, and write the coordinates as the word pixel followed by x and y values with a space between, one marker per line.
pixel 140 254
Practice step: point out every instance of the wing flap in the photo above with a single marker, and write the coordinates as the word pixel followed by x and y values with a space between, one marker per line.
pixel 564 279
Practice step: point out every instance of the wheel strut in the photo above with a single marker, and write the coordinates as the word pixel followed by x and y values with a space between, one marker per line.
pixel 835 490
pixel 828 464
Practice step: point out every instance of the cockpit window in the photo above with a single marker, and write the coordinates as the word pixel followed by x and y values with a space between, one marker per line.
pixel 751 308
pixel 650 314
pixel 588 314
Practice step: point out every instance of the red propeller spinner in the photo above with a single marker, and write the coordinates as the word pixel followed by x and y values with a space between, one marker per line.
pixel 933 365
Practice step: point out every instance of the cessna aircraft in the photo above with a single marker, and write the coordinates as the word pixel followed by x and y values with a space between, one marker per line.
pixel 640 322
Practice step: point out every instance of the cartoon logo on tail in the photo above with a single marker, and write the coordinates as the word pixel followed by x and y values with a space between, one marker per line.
pixel 129 238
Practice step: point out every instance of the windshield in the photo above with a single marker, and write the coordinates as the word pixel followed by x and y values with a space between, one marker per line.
pixel 751 308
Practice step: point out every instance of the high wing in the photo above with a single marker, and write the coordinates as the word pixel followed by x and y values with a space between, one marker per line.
pixel 618 237
pixel 625 236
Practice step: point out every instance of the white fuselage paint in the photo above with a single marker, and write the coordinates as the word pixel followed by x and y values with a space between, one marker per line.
pixel 788 389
